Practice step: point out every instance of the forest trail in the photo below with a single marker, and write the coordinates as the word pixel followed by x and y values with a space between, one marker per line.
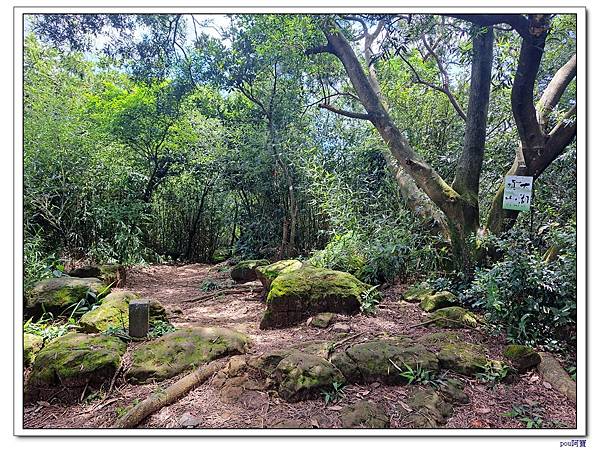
pixel 176 287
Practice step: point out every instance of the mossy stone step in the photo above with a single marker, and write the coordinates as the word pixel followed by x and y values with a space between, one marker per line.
pixel 182 350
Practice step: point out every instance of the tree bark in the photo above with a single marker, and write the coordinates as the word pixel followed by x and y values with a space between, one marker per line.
pixel 468 169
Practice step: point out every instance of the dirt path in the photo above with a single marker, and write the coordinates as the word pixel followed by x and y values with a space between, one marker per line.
pixel 175 286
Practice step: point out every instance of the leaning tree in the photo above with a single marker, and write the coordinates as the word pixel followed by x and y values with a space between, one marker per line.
pixel 422 185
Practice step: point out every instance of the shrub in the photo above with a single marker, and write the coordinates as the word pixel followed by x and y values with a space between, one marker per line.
pixel 532 299
pixel 381 253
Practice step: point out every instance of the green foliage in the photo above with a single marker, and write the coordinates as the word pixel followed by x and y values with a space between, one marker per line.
pixel 419 375
pixel 159 328
pixel 533 300
pixel 531 415
pixel 37 264
pixel 47 327
pixel 334 394
pixel 369 300
pixel 493 372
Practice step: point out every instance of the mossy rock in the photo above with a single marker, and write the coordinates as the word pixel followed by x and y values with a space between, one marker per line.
pixel 463 357
pixel 435 341
pixel 266 274
pixel 114 312
pixel 300 376
pixel 297 295
pixel 429 410
pixel 73 361
pixel 417 292
pixel 267 362
pixel 110 274
pixel 454 317
pixel 381 359
pixel 432 302
pixel 32 344
pixel 522 357
pixel 182 350
pixel 364 414
pixel 56 294
pixel 245 271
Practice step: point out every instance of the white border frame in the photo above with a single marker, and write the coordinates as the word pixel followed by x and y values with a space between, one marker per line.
pixel 581 181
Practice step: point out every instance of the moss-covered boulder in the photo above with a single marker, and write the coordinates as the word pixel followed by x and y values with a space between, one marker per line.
pixel 56 294
pixel 364 414
pixel 462 357
pixel 432 302
pixel 297 295
pixel 429 410
pixel 32 344
pixel 71 362
pixel 417 292
pixel 522 357
pixel 245 271
pixel 300 376
pixel 454 317
pixel 182 350
pixel 266 274
pixel 114 312
pixel 111 274
pixel 384 360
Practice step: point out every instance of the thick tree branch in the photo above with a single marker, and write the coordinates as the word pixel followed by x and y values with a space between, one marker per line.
pixel 424 175
pixel 468 168
pixel 522 100
pixel 516 21
pixel 555 90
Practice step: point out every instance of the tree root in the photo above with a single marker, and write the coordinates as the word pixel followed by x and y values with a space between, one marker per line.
pixel 178 389
pixel 553 373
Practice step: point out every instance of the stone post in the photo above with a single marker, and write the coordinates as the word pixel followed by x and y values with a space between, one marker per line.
pixel 139 317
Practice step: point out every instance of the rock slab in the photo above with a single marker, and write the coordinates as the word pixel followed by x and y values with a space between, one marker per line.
pixel 182 350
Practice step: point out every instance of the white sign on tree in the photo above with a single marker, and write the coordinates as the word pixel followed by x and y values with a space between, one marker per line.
pixel 517 192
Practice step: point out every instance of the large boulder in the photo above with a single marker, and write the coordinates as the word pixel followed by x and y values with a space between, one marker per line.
pixel 110 274
pixel 56 294
pixel 245 271
pixel 454 317
pixel 384 360
pixel 32 344
pixel 113 312
pixel 266 274
pixel 364 414
pixel 522 357
pixel 432 302
pixel 182 350
pixel 297 295
pixel 300 376
pixel 71 362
